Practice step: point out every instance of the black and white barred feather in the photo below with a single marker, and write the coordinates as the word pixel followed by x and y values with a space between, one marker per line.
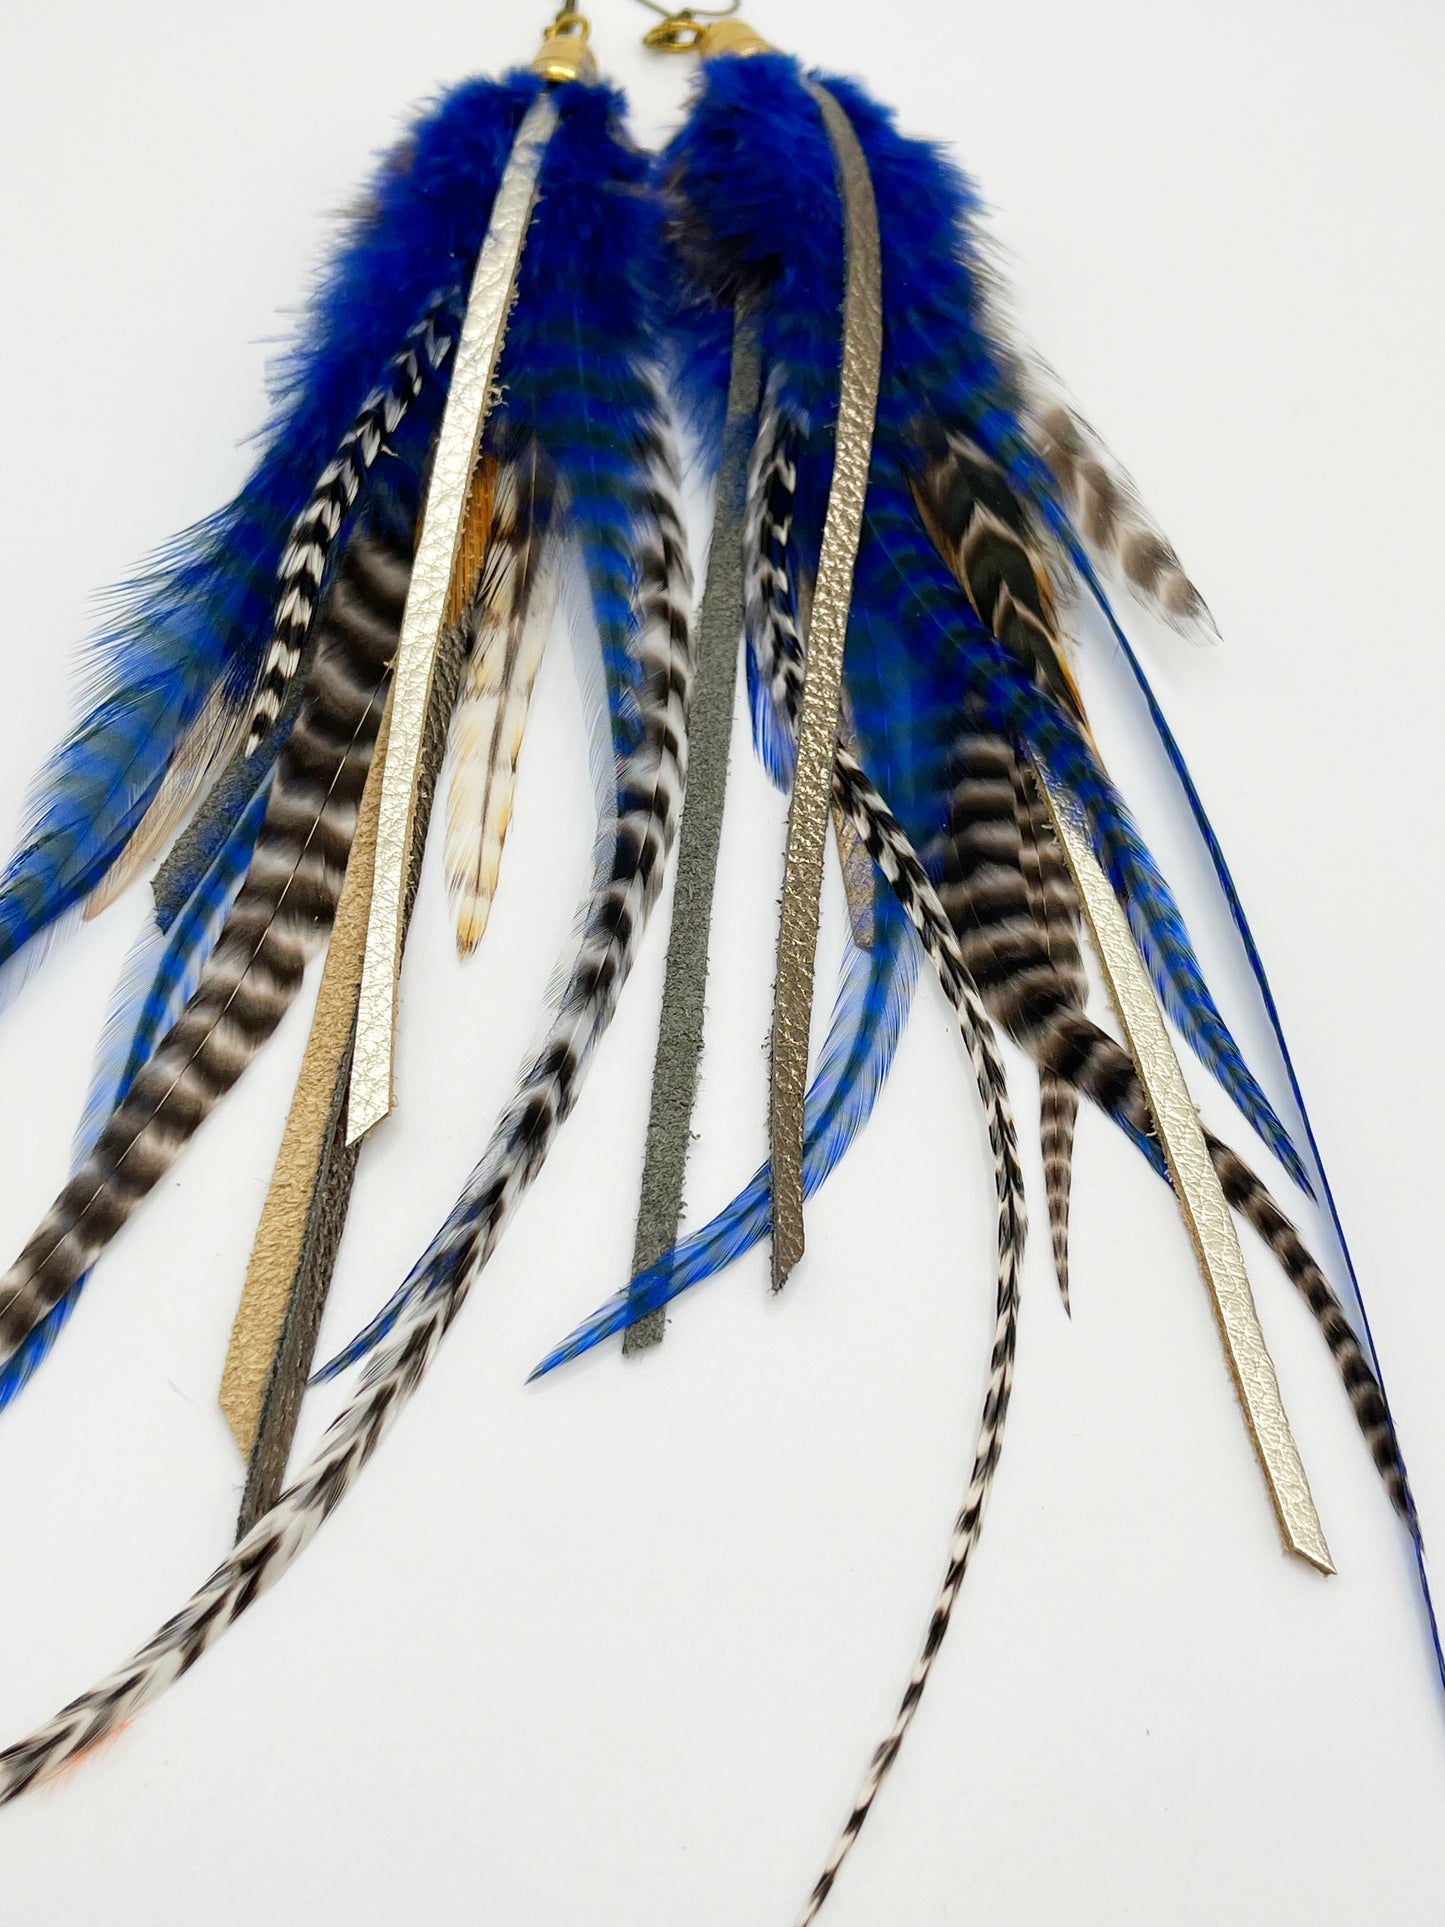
pixel 1111 518
pixel 771 585
pixel 1038 998
pixel 1055 906
pixel 279 918
pixel 317 529
pixel 635 844
pixel 895 857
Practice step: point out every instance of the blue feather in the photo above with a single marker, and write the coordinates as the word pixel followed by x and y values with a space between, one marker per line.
pixel 199 619
pixel 917 658
pixel 165 968
pixel 575 377
pixel 158 978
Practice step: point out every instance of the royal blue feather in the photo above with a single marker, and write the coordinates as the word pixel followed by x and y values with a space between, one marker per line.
pixel 166 967
pixel 579 377
pixel 198 620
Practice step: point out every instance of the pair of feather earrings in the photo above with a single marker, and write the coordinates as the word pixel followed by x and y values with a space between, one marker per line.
pixel 251 682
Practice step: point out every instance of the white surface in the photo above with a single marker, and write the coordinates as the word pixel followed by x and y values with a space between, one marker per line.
pixel 613 1650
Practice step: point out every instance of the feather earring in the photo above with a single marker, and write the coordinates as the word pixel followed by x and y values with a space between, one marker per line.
pixel 919 518
pixel 474 401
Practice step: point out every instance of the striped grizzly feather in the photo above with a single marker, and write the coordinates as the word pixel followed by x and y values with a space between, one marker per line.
pixel 1039 1001
pixel 508 623
pixel 772 591
pixel 280 916
pixel 1055 906
pixel 1114 522
pixel 982 530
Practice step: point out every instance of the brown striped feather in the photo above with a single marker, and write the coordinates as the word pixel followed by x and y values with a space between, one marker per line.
pixel 280 917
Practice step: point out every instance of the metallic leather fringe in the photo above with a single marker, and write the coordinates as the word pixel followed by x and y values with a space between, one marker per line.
pixel 822 686
pixel 458 443
pixel 294 1255
pixel 1202 1203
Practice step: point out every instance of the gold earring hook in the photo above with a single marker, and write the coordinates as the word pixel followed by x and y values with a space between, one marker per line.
pixel 564 54
pixel 702 30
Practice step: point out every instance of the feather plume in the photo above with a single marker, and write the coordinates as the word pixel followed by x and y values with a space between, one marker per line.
pixel 279 916
pixel 508 627
pixel 1055 907
pixel 200 621
pixel 576 377
pixel 306 559
pixel 649 787
pixel 771 592
pixel 1106 507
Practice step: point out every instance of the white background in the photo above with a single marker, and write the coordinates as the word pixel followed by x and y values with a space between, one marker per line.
pixel 613 1650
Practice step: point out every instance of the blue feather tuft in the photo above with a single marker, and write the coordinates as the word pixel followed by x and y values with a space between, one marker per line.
pixel 578 377
pixel 196 623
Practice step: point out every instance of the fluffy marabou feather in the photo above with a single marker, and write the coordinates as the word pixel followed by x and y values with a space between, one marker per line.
pixel 508 628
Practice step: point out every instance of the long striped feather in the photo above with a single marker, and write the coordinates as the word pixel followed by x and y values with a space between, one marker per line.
pixel 1055 909
pixel 318 529
pixel 162 974
pixel 278 918
pixel 771 613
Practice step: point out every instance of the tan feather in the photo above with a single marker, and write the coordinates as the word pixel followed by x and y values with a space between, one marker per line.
pixel 511 613
pixel 207 746
pixel 1113 521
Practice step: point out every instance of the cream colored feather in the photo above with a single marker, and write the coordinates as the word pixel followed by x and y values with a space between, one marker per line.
pixel 511 615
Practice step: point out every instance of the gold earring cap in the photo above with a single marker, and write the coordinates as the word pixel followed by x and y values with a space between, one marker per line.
pixel 730 36
pixel 564 53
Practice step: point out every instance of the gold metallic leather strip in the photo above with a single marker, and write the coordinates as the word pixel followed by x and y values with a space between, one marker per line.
pixel 822 687
pixel 458 442
pixel 281 1235
pixel 1202 1203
